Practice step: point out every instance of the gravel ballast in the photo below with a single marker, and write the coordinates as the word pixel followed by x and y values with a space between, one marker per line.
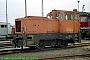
pixel 53 53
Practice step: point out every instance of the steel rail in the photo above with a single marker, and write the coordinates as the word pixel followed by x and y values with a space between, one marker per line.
pixel 26 50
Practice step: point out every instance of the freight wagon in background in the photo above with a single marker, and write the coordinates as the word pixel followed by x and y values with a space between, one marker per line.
pixel 57 29
pixel 85 24
pixel 3 28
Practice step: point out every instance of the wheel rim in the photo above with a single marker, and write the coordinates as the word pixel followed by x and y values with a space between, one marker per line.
pixel 41 45
pixel 53 44
pixel 63 44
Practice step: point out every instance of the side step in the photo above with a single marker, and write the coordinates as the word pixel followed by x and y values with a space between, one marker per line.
pixel 78 38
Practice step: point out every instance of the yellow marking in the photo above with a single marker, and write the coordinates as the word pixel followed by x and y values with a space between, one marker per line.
pixel 11 41
pixel 24 43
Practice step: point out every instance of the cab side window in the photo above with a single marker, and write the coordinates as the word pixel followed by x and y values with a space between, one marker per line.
pixel 69 16
pixel 50 16
pixel 59 16
pixel 76 16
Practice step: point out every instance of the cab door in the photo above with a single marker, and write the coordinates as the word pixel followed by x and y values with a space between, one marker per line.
pixel 68 23
pixel 76 23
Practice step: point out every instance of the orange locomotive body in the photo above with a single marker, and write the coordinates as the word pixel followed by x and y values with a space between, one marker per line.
pixel 34 25
pixel 57 29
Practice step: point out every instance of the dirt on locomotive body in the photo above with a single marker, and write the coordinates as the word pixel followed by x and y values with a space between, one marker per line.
pixel 59 28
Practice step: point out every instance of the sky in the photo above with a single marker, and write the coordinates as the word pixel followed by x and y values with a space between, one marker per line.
pixel 16 8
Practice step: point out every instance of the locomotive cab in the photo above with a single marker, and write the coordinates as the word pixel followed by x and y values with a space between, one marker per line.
pixel 68 20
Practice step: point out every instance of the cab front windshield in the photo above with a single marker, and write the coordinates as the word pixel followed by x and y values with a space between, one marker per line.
pixel 83 19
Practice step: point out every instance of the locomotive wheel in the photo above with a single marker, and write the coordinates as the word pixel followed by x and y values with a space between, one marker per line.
pixel 53 43
pixel 14 46
pixel 41 45
pixel 63 44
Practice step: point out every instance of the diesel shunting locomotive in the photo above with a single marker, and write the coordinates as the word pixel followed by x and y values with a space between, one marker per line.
pixel 58 28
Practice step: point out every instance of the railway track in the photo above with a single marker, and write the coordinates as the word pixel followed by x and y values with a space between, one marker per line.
pixel 5 44
pixel 2 38
pixel 79 44
pixel 26 50
pixel 65 57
